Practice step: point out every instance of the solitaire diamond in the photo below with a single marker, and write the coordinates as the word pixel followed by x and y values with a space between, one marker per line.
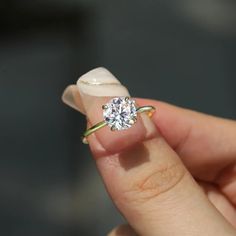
pixel 120 113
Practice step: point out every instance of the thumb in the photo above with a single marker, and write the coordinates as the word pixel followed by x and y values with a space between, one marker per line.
pixel 145 178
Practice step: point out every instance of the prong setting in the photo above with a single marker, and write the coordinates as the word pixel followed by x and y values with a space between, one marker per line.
pixel 133 120
pixel 104 107
pixel 120 113
pixel 113 128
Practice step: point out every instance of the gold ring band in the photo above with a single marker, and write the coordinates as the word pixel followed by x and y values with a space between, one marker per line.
pixel 148 109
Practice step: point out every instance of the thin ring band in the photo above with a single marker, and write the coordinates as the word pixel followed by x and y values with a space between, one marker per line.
pixel 148 109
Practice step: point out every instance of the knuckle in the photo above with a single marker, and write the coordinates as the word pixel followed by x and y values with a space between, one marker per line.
pixel 160 180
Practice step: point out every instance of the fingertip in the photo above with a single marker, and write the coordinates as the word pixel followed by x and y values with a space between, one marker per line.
pixel 122 230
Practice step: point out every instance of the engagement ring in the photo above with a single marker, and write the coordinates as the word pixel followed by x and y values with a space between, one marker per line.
pixel 119 113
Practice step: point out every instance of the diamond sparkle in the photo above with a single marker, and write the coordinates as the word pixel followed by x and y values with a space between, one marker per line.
pixel 120 113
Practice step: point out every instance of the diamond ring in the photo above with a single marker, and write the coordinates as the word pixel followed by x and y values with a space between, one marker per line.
pixel 119 113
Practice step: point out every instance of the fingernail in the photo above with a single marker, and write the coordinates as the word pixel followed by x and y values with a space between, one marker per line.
pixel 71 97
pixel 96 88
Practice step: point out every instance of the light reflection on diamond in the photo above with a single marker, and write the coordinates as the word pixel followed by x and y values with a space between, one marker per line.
pixel 120 113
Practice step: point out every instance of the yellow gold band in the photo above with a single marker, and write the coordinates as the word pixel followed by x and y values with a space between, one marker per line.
pixel 148 109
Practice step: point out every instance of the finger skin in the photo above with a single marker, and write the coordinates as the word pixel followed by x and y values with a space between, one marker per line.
pixel 220 201
pixel 206 144
pixel 151 187
pixel 208 140
pixel 152 193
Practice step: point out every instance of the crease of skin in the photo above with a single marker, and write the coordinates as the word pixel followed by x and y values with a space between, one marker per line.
pixel 226 182
pixel 222 202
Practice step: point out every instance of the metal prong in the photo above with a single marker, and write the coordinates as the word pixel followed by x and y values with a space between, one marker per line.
pixel 135 119
pixel 104 107
pixel 131 122
pixel 126 99
pixel 84 140
pixel 113 128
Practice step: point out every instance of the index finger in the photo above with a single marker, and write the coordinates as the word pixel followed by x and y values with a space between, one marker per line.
pixel 202 141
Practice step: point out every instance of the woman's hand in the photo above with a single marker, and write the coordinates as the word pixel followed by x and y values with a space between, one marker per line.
pixel 172 175
pixel 169 202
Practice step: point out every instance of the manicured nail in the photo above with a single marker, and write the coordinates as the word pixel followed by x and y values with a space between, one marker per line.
pixel 95 89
